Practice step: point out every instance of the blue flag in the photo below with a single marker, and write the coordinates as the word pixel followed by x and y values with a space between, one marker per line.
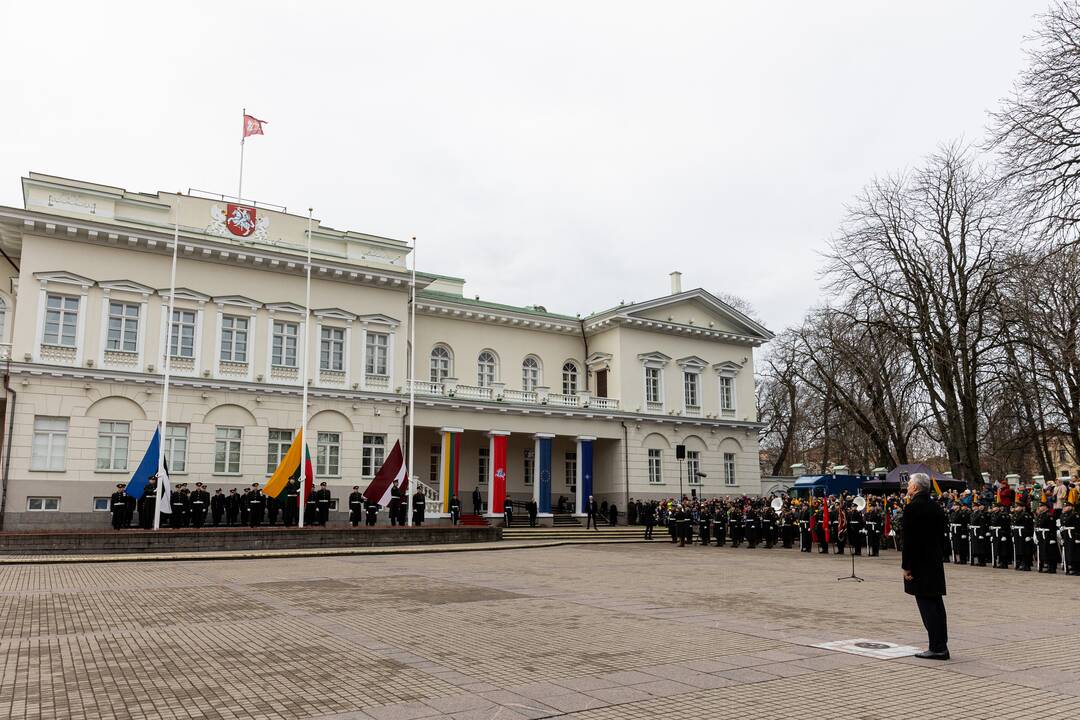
pixel 147 468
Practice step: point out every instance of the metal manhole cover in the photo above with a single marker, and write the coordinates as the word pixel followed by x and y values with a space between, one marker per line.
pixel 872 645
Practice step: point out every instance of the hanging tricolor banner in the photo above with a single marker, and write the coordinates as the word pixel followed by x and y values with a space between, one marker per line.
pixel 450 464
pixel 253 125
pixel 391 474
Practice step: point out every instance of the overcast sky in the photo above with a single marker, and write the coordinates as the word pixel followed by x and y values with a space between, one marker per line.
pixel 564 154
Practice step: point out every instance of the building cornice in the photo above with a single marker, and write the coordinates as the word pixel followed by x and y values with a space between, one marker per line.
pixel 508 318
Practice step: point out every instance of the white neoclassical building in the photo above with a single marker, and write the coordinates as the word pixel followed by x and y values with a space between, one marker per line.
pixel 515 401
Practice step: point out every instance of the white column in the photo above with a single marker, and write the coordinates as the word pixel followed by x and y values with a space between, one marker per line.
pixel 579 506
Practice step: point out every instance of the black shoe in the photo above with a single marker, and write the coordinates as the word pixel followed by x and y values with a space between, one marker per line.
pixel 930 655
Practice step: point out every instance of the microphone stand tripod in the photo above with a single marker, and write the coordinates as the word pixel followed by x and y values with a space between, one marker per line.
pixel 852 576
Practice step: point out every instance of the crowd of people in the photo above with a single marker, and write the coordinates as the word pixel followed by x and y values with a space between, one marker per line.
pixel 1027 528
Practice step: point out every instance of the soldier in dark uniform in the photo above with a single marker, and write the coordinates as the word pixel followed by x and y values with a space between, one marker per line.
pixel 672 524
pixel 273 507
pixel 735 524
pixel 311 508
pixel 856 531
pixel 1023 537
pixel 419 505
pixel 839 512
pixel 819 527
pixel 805 541
pixel 403 507
pixel 395 503
pixel 199 503
pixel 256 506
pixel 148 504
pixel 455 509
pixel 788 528
pixel 217 507
pixel 534 510
pixel 682 524
pixel 508 512
pixel 1070 539
pixel 371 509
pixel 130 511
pixel 1000 530
pixel 245 507
pixel 979 533
pixel 768 526
pixel 959 523
pixel 179 504
pixel 720 524
pixel 704 517
pixel 290 507
pixel 647 517
pixel 118 505
pixel 356 505
pixel 751 526
pixel 322 503
pixel 872 526
pixel 232 508
pixel 1046 532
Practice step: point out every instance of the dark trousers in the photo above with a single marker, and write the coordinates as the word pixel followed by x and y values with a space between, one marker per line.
pixel 932 610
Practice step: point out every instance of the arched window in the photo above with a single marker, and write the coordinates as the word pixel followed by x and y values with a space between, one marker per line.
pixel 569 378
pixel 530 374
pixel 440 363
pixel 485 368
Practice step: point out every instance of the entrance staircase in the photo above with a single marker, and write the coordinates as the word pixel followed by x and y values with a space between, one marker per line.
pixel 571 533
pixel 474 520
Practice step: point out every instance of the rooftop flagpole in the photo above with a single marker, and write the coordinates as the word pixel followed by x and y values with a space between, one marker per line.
pixel 412 382
pixel 167 367
pixel 243 134
pixel 304 381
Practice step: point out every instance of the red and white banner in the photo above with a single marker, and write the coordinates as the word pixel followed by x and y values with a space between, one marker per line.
pixel 498 473
pixel 253 125
pixel 390 474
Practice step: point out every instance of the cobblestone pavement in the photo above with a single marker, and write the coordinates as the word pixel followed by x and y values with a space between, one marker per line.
pixel 601 631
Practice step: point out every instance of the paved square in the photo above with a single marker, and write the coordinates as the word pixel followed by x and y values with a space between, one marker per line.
pixel 583 631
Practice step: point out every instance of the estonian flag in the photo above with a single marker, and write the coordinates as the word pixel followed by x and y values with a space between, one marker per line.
pixel 149 468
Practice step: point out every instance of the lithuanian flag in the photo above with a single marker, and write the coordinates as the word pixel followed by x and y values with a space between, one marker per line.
pixel 289 469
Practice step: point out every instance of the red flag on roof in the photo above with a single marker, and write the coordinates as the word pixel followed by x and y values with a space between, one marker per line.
pixel 253 125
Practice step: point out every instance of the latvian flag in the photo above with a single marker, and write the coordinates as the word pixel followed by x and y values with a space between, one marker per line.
pixel 391 474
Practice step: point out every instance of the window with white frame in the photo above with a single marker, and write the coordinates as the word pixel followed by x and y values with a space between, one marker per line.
pixel 176 441
pixel 234 338
pixel 692 390
pixel 227 445
pixel 122 334
pixel 332 349
pixel 569 378
pixel 528 465
pixel 114 438
pixel 483 465
pixel 440 363
pixel 693 466
pixel 434 466
pixel 376 353
pixel 530 374
pixel 485 368
pixel 61 320
pixel 42 504
pixel 570 468
pixel 277 445
pixel 727 394
pixel 328 454
pixel 182 334
pixel 729 468
pixel 50 444
pixel 101 504
pixel 652 385
pixel 656 466
pixel 284 343
pixel 372 454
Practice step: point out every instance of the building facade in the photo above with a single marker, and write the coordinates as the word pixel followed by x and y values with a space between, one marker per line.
pixel 517 402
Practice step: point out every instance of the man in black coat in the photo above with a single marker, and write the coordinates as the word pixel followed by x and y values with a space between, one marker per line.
pixel 924 568
pixel 217 507
pixel 356 505
pixel 477 501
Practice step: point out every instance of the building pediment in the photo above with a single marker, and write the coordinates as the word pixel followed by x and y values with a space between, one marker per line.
pixel 379 319
pixel 285 307
pixel 692 362
pixel 238 300
pixel 334 314
pixel 728 368
pixel 63 277
pixel 126 286
pixel 185 294
pixel 654 358
pixel 695 313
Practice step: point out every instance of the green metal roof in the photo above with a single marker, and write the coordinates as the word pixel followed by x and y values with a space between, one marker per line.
pixel 458 299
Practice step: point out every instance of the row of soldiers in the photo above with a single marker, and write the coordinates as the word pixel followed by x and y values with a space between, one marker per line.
pixel 1013 536
pixel 191 508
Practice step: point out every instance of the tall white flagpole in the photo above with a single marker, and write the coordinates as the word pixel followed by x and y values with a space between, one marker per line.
pixel 304 379
pixel 243 134
pixel 412 382
pixel 167 367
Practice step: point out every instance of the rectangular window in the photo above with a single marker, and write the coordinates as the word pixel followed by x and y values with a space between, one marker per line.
pixel 123 328
pixel 328 454
pixel 656 467
pixel 234 338
pixel 176 439
pixel 332 349
pixel 101 504
pixel 570 465
pixel 283 351
pixel 112 447
pixel 375 353
pixel 729 468
pixel 373 453
pixel 727 394
pixel 693 465
pixel 1061 455
pixel 182 334
pixel 434 466
pixel 527 466
pixel 483 465
pixel 50 444
pixel 227 442
pixel 652 385
pixel 42 504
pixel 691 390
pixel 61 320
pixel 279 443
